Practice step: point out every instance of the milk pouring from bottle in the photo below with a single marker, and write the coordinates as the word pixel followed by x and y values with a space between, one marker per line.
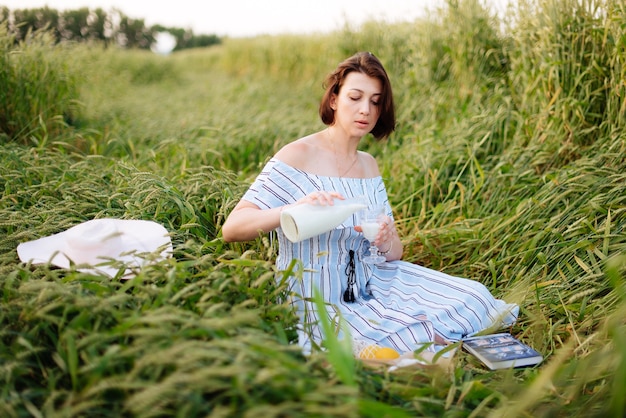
pixel 304 221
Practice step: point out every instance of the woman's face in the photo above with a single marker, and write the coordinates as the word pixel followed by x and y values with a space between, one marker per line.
pixel 357 105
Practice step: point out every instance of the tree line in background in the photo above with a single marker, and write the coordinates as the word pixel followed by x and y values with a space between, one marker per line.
pixel 111 28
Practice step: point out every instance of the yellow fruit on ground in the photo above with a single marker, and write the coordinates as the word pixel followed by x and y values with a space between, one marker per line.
pixel 378 353
pixel 385 353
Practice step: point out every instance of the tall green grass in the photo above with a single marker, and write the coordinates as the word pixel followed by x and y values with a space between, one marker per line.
pixel 38 92
pixel 507 166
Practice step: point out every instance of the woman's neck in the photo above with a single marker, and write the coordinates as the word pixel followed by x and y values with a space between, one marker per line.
pixel 346 158
pixel 341 144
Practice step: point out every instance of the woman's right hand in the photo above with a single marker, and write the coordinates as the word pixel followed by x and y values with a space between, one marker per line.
pixel 321 197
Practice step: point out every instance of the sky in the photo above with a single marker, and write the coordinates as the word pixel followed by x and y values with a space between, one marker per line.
pixel 241 18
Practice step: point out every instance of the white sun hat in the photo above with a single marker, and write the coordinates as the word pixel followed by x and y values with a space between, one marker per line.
pixel 99 245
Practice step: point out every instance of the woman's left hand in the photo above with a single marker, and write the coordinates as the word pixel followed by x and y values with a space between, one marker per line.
pixel 385 233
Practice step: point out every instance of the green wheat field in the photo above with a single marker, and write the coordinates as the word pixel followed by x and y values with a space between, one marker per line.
pixel 508 166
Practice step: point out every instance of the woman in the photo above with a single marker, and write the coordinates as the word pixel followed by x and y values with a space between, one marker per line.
pixel 396 304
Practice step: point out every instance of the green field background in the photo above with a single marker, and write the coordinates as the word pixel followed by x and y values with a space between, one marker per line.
pixel 508 166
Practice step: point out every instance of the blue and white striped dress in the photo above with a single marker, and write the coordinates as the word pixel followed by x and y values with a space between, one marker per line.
pixel 398 304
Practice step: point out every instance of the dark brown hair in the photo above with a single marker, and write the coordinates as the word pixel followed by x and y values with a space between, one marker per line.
pixel 368 64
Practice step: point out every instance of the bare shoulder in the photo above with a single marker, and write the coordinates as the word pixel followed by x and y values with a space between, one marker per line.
pixel 369 164
pixel 301 152
pixel 293 151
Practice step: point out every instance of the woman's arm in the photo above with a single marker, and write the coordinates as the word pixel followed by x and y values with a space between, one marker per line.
pixel 388 241
pixel 247 220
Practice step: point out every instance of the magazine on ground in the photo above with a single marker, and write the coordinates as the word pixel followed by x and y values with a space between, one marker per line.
pixel 501 351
